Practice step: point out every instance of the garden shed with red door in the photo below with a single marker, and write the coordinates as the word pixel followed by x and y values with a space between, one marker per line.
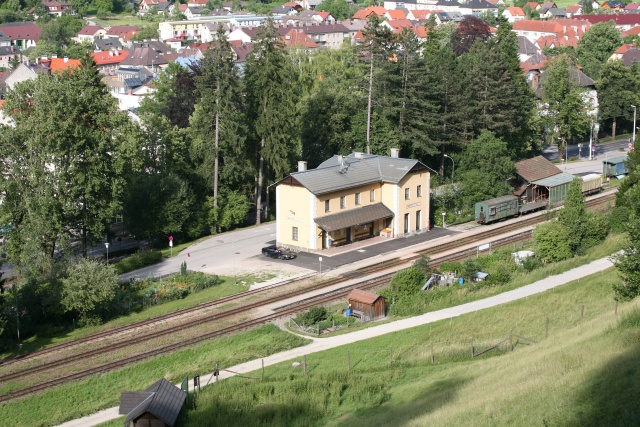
pixel 366 305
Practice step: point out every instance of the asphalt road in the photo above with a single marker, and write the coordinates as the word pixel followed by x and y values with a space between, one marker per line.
pixel 613 149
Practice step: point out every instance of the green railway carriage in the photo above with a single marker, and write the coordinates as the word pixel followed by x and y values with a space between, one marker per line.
pixel 496 209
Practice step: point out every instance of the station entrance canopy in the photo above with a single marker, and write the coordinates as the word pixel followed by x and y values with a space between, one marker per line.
pixel 358 216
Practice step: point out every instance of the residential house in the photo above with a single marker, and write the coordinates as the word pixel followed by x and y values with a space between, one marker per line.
pixel 195 29
pixel 444 17
pixel 9 54
pixel 364 13
pixel 403 4
pixel 108 61
pixel 617 54
pixel 632 8
pixel 526 49
pixel 326 35
pixel 395 14
pixel 444 6
pixel 554 12
pixel 107 44
pixel 613 6
pixel 513 14
pixel 622 21
pixel 146 57
pixel 547 5
pixel 561 30
pixel 91 33
pixel 59 65
pixel 285 10
pixel 396 25
pixel 146 6
pixel 309 16
pixel 22 73
pixel 23 35
pixel 5 40
pixel 350 198
pixel 299 40
pixel 577 77
pixel 419 15
pixel 532 5
pixel 595 5
pixel 478 7
pixel 634 31
pixel 631 57
pixel 57 8
pixel 123 33
pixel 574 9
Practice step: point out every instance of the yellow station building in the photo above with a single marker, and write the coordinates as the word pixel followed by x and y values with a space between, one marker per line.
pixel 351 198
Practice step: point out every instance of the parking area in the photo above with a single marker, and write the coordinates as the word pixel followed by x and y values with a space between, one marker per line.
pixel 336 257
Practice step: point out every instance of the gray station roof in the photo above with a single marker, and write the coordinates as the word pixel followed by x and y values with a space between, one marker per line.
pixel 555 180
pixel 358 216
pixel 352 171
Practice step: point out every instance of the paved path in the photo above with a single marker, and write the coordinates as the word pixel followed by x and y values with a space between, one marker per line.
pixel 320 344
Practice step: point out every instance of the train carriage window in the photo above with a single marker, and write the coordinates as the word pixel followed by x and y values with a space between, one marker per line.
pixel 492 210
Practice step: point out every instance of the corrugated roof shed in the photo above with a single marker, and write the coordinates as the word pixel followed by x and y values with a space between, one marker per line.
pixel 555 180
pixel 363 296
pixel 162 399
pixel 615 160
pixel 536 168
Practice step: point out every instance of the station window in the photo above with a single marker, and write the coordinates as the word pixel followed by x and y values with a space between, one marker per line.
pixel 407 193
pixel 419 191
pixel 343 202
pixel 372 196
pixel 357 199
pixel 294 234
pixel 327 206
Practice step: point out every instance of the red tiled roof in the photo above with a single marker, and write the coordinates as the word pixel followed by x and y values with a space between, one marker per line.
pixel 574 8
pixel 421 32
pixel 421 14
pixel 398 24
pixel 22 31
pixel 619 19
pixel 109 56
pixel 59 64
pixel 631 32
pixel 622 49
pixel 515 11
pixel 537 26
pixel 532 4
pixel 299 39
pixel 323 15
pixel 363 296
pixel 123 31
pixel 632 6
pixel 362 14
pixel 396 14
pixel 90 30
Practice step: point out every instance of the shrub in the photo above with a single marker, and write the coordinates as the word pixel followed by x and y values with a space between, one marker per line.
pixel 312 316
pixel 139 260
pixel 407 282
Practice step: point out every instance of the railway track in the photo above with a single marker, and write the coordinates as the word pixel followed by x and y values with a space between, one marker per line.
pixel 395 263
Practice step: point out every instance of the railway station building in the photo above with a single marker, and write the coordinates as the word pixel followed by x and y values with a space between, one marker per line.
pixel 351 198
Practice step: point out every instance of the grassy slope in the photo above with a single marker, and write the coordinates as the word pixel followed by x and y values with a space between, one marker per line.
pixel 582 375
pixel 85 397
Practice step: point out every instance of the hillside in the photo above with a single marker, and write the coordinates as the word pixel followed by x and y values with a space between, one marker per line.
pixel 583 374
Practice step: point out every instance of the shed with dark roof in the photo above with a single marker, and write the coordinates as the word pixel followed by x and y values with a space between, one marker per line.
pixel 366 305
pixel 157 406
pixel 531 171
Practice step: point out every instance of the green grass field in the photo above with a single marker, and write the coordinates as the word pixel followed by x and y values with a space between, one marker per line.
pixel 85 397
pixel 583 374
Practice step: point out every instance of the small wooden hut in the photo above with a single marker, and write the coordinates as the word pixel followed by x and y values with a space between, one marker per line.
pixel 366 305
pixel 157 406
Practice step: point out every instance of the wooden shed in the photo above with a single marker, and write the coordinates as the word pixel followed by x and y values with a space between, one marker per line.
pixel 157 406
pixel 366 305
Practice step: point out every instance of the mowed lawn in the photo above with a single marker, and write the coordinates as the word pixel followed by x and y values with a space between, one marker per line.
pixel 585 373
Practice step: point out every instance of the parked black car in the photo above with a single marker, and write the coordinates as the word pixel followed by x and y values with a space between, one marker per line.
pixel 273 252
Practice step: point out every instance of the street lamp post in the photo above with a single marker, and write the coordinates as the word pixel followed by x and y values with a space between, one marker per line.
pixel 454 166
pixel 633 139
pixel 107 246
pixel 320 259
pixel 233 244
pixel 444 214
